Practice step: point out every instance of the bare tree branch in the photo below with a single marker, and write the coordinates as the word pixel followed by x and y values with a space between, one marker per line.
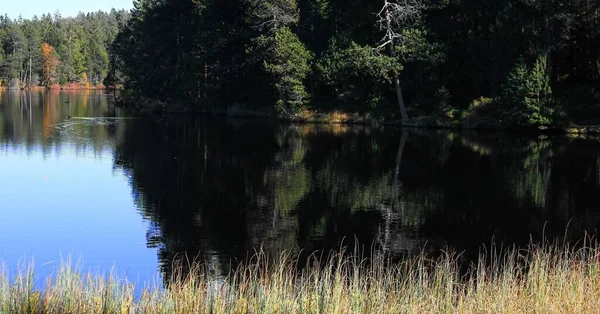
pixel 270 16
pixel 395 15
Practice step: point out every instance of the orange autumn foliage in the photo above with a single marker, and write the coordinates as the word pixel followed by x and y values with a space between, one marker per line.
pixel 84 81
pixel 51 63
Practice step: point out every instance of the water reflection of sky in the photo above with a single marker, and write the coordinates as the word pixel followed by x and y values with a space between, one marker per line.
pixel 70 202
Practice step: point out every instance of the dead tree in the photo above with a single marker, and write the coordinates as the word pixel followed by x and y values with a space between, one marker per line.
pixel 393 17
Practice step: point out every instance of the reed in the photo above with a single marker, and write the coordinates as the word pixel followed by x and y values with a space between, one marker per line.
pixel 540 279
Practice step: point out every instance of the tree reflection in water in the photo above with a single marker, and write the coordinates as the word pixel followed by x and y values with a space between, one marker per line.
pixel 218 189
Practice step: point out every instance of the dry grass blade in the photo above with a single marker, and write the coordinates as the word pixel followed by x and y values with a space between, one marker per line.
pixel 542 279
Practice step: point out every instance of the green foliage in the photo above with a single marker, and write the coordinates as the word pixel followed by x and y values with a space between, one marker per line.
pixel 415 46
pixel 356 73
pixel 259 52
pixel 114 78
pixel 339 63
pixel 162 53
pixel 480 103
pixel 288 62
pixel 81 43
pixel 15 42
pixel 375 99
pixel 528 94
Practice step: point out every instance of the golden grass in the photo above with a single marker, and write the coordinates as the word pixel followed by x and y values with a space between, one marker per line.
pixel 541 279
pixel 335 117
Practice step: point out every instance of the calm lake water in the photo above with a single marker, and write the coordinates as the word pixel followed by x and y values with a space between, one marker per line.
pixel 136 194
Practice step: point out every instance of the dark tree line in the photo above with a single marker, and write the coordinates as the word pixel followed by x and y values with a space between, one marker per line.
pixel 528 62
pixel 516 58
pixel 57 50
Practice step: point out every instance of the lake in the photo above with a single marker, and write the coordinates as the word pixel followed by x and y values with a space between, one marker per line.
pixel 137 194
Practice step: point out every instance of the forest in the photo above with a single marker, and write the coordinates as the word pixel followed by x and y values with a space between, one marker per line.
pixel 532 63
pixel 522 62
pixel 56 51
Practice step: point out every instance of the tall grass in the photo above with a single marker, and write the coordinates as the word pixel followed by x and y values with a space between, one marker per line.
pixel 541 279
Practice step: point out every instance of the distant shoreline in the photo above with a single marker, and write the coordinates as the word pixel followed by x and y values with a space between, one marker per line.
pixel 57 87
pixel 154 107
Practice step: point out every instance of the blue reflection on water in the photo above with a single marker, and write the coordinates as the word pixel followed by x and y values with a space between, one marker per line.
pixel 69 201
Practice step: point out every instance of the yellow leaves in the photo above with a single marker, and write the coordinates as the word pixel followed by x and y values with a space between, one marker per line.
pixel 51 62
pixel 84 81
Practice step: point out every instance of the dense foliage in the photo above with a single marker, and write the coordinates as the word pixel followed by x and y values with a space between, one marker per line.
pixel 330 54
pixel 397 58
pixel 55 50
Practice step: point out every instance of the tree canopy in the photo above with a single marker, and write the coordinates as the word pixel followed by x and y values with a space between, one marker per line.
pixel 433 57
pixel 53 49
pixel 325 54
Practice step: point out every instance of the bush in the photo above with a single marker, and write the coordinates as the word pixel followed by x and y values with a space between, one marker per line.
pixel 479 103
pixel 528 95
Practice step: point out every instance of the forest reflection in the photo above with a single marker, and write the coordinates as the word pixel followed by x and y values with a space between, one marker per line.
pixel 38 120
pixel 218 189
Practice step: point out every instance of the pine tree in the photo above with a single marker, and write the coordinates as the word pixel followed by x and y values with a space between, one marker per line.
pixel 288 61
pixel 528 94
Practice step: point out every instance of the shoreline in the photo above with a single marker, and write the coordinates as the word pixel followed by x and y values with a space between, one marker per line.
pixel 338 117
pixel 44 88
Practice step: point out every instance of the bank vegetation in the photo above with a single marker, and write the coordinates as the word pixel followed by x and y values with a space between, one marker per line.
pixel 541 279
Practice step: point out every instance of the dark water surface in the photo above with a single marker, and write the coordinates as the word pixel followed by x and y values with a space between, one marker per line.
pixel 135 194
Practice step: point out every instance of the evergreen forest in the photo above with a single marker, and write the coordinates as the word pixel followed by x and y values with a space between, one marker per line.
pixel 52 50
pixel 515 62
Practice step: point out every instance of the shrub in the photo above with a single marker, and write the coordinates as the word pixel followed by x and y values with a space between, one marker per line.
pixel 480 103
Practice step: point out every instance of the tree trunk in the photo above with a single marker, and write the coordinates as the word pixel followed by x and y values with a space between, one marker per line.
pixel 388 19
pixel 400 98
pixel 30 71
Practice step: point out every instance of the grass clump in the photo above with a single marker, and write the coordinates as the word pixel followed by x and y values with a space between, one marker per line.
pixel 541 279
